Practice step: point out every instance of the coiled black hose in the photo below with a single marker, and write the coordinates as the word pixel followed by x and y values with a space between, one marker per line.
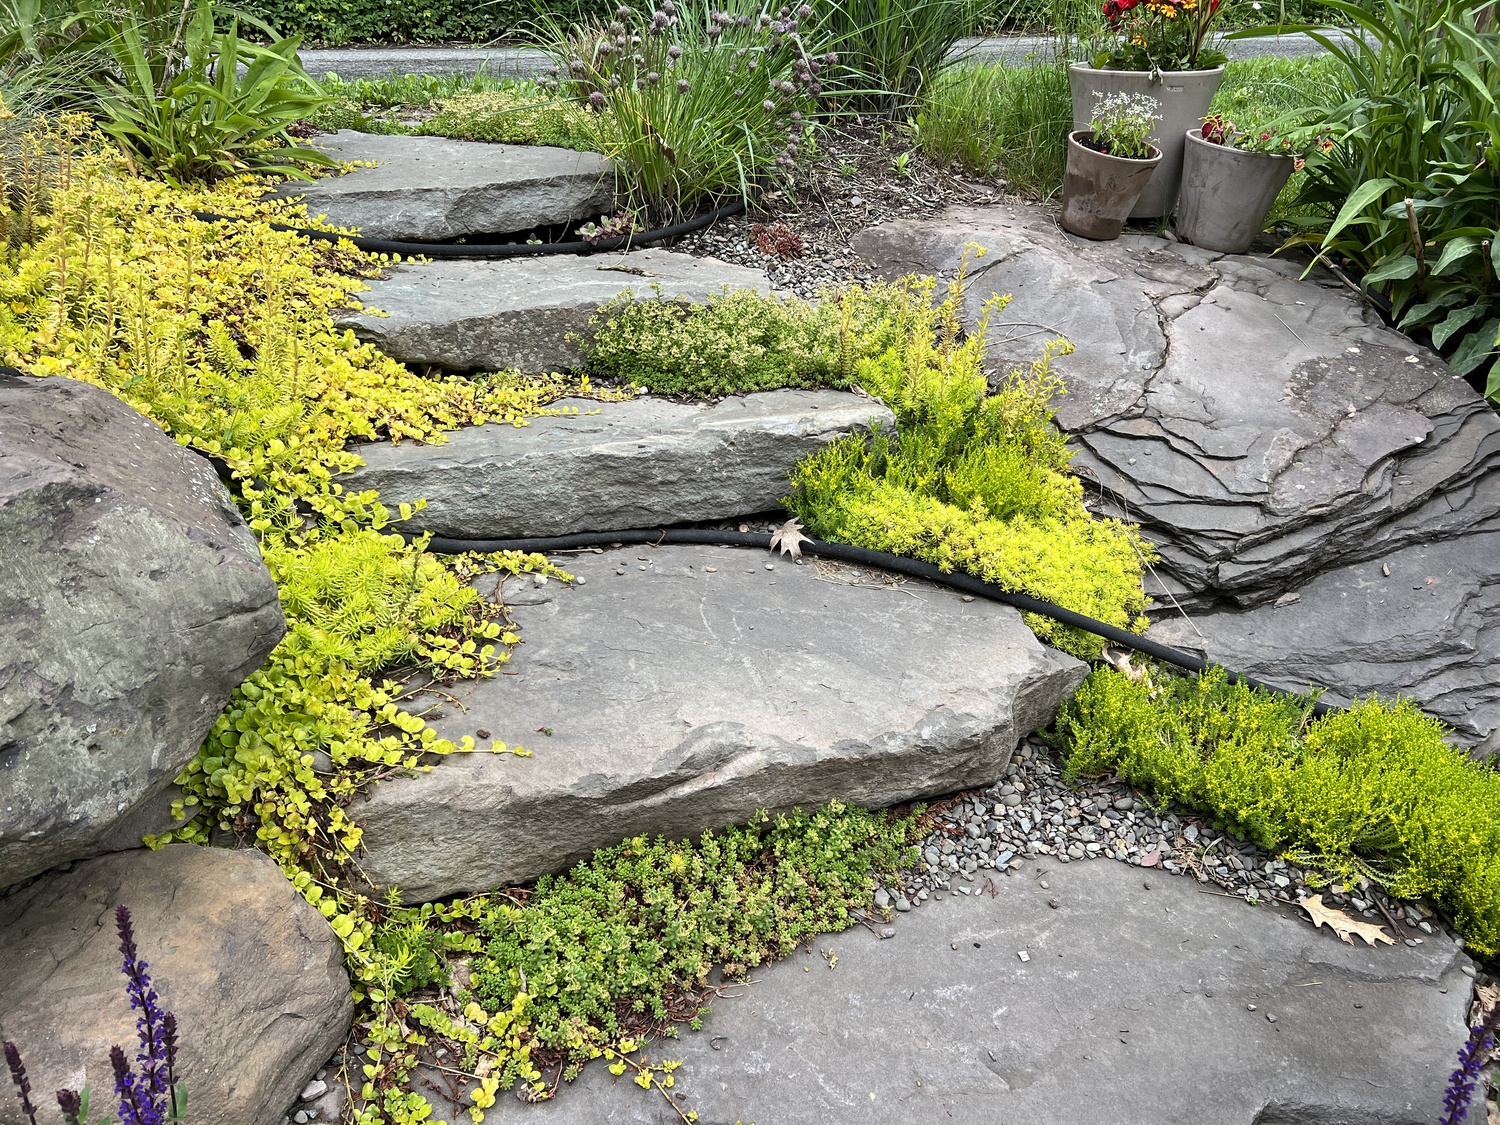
pixel 499 249
pixel 913 568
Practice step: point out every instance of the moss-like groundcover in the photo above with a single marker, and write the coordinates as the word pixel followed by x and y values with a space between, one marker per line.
pixel 1370 792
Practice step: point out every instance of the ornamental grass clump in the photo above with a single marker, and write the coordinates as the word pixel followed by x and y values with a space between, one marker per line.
pixel 693 103
pixel 1372 792
pixel 148 1090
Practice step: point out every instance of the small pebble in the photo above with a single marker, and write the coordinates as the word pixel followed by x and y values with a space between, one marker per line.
pixel 890 932
pixel 1270 1018
pixel 1022 954
pixel 313 1090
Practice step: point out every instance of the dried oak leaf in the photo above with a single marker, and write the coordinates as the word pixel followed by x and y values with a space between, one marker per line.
pixel 1119 660
pixel 1341 924
pixel 789 538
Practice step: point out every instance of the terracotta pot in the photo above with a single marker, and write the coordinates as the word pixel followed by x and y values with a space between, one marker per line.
pixel 1100 190
pixel 1184 96
pixel 1226 193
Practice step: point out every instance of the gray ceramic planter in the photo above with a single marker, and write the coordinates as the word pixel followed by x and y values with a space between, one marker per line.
pixel 1100 190
pixel 1226 193
pixel 1184 96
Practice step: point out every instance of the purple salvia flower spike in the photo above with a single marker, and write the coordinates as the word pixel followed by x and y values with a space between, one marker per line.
pixel 1471 1058
pixel 131 1109
pixel 18 1076
pixel 152 1086
pixel 71 1105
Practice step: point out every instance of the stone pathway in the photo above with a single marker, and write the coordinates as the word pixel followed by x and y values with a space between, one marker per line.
pixel 613 465
pixel 520 312
pixel 683 688
pixel 1324 492
pixel 1065 993
pixel 431 189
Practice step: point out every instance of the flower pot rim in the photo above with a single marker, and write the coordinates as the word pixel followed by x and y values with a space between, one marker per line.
pixel 1076 133
pixel 1107 70
pixel 1195 134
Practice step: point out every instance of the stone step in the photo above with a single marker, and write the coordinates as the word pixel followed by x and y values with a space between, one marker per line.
pixel 683 688
pixel 519 312
pixel 645 462
pixel 1272 437
pixel 1125 983
pixel 432 189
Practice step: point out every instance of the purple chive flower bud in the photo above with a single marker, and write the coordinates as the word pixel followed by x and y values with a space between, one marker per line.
pixel 71 1105
pixel 831 58
pixel 674 52
pixel 715 31
pixel 682 85
pixel 18 1077
pixel 623 11
pixel 815 89
pixel 652 77
pixel 804 11
pixel 740 93
pixel 768 105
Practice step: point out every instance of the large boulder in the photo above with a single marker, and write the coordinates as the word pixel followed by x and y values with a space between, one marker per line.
pixel 1261 427
pixel 605 466
pixel 523 312
pixel 432 189
pixel 134 600
pixel 1299 465
pixel 1067 993
pixel 254 975
pixel 683 688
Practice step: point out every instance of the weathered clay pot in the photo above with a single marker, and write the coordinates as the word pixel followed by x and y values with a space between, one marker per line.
pixel 1226 193
pixel 1184 96
pixel 1100 190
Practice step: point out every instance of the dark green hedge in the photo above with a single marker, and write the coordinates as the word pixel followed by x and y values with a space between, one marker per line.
pixel 335 23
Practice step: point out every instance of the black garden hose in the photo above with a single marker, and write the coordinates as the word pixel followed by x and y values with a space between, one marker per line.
pixel 499 249
pixel 913 568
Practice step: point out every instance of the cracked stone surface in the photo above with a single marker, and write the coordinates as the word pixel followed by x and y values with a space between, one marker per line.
pixel 683 688
pixel 252 971
pixel 1263 430
pixel 1225 1013
pixel 433 189
pixel 612 465
pixel 478 315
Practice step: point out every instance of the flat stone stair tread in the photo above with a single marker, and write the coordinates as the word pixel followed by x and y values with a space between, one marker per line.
pixel 1137 1006
pixel 432 189
pixel 644 462
pixel 519 312
pixel 697 687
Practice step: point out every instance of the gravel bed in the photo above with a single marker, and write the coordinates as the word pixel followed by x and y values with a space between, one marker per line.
pixel 1033 811
pixel 864 173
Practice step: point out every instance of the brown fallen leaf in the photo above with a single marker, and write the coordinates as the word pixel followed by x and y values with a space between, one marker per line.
pixel 1341 924
pixel 789 538
pixel 1119 660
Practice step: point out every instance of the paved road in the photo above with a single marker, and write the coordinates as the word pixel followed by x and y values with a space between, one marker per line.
pixel 520 62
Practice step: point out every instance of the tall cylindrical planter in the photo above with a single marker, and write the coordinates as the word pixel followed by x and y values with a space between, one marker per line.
pixel 1184 96
pixel 1099 190
pixel 1227 193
